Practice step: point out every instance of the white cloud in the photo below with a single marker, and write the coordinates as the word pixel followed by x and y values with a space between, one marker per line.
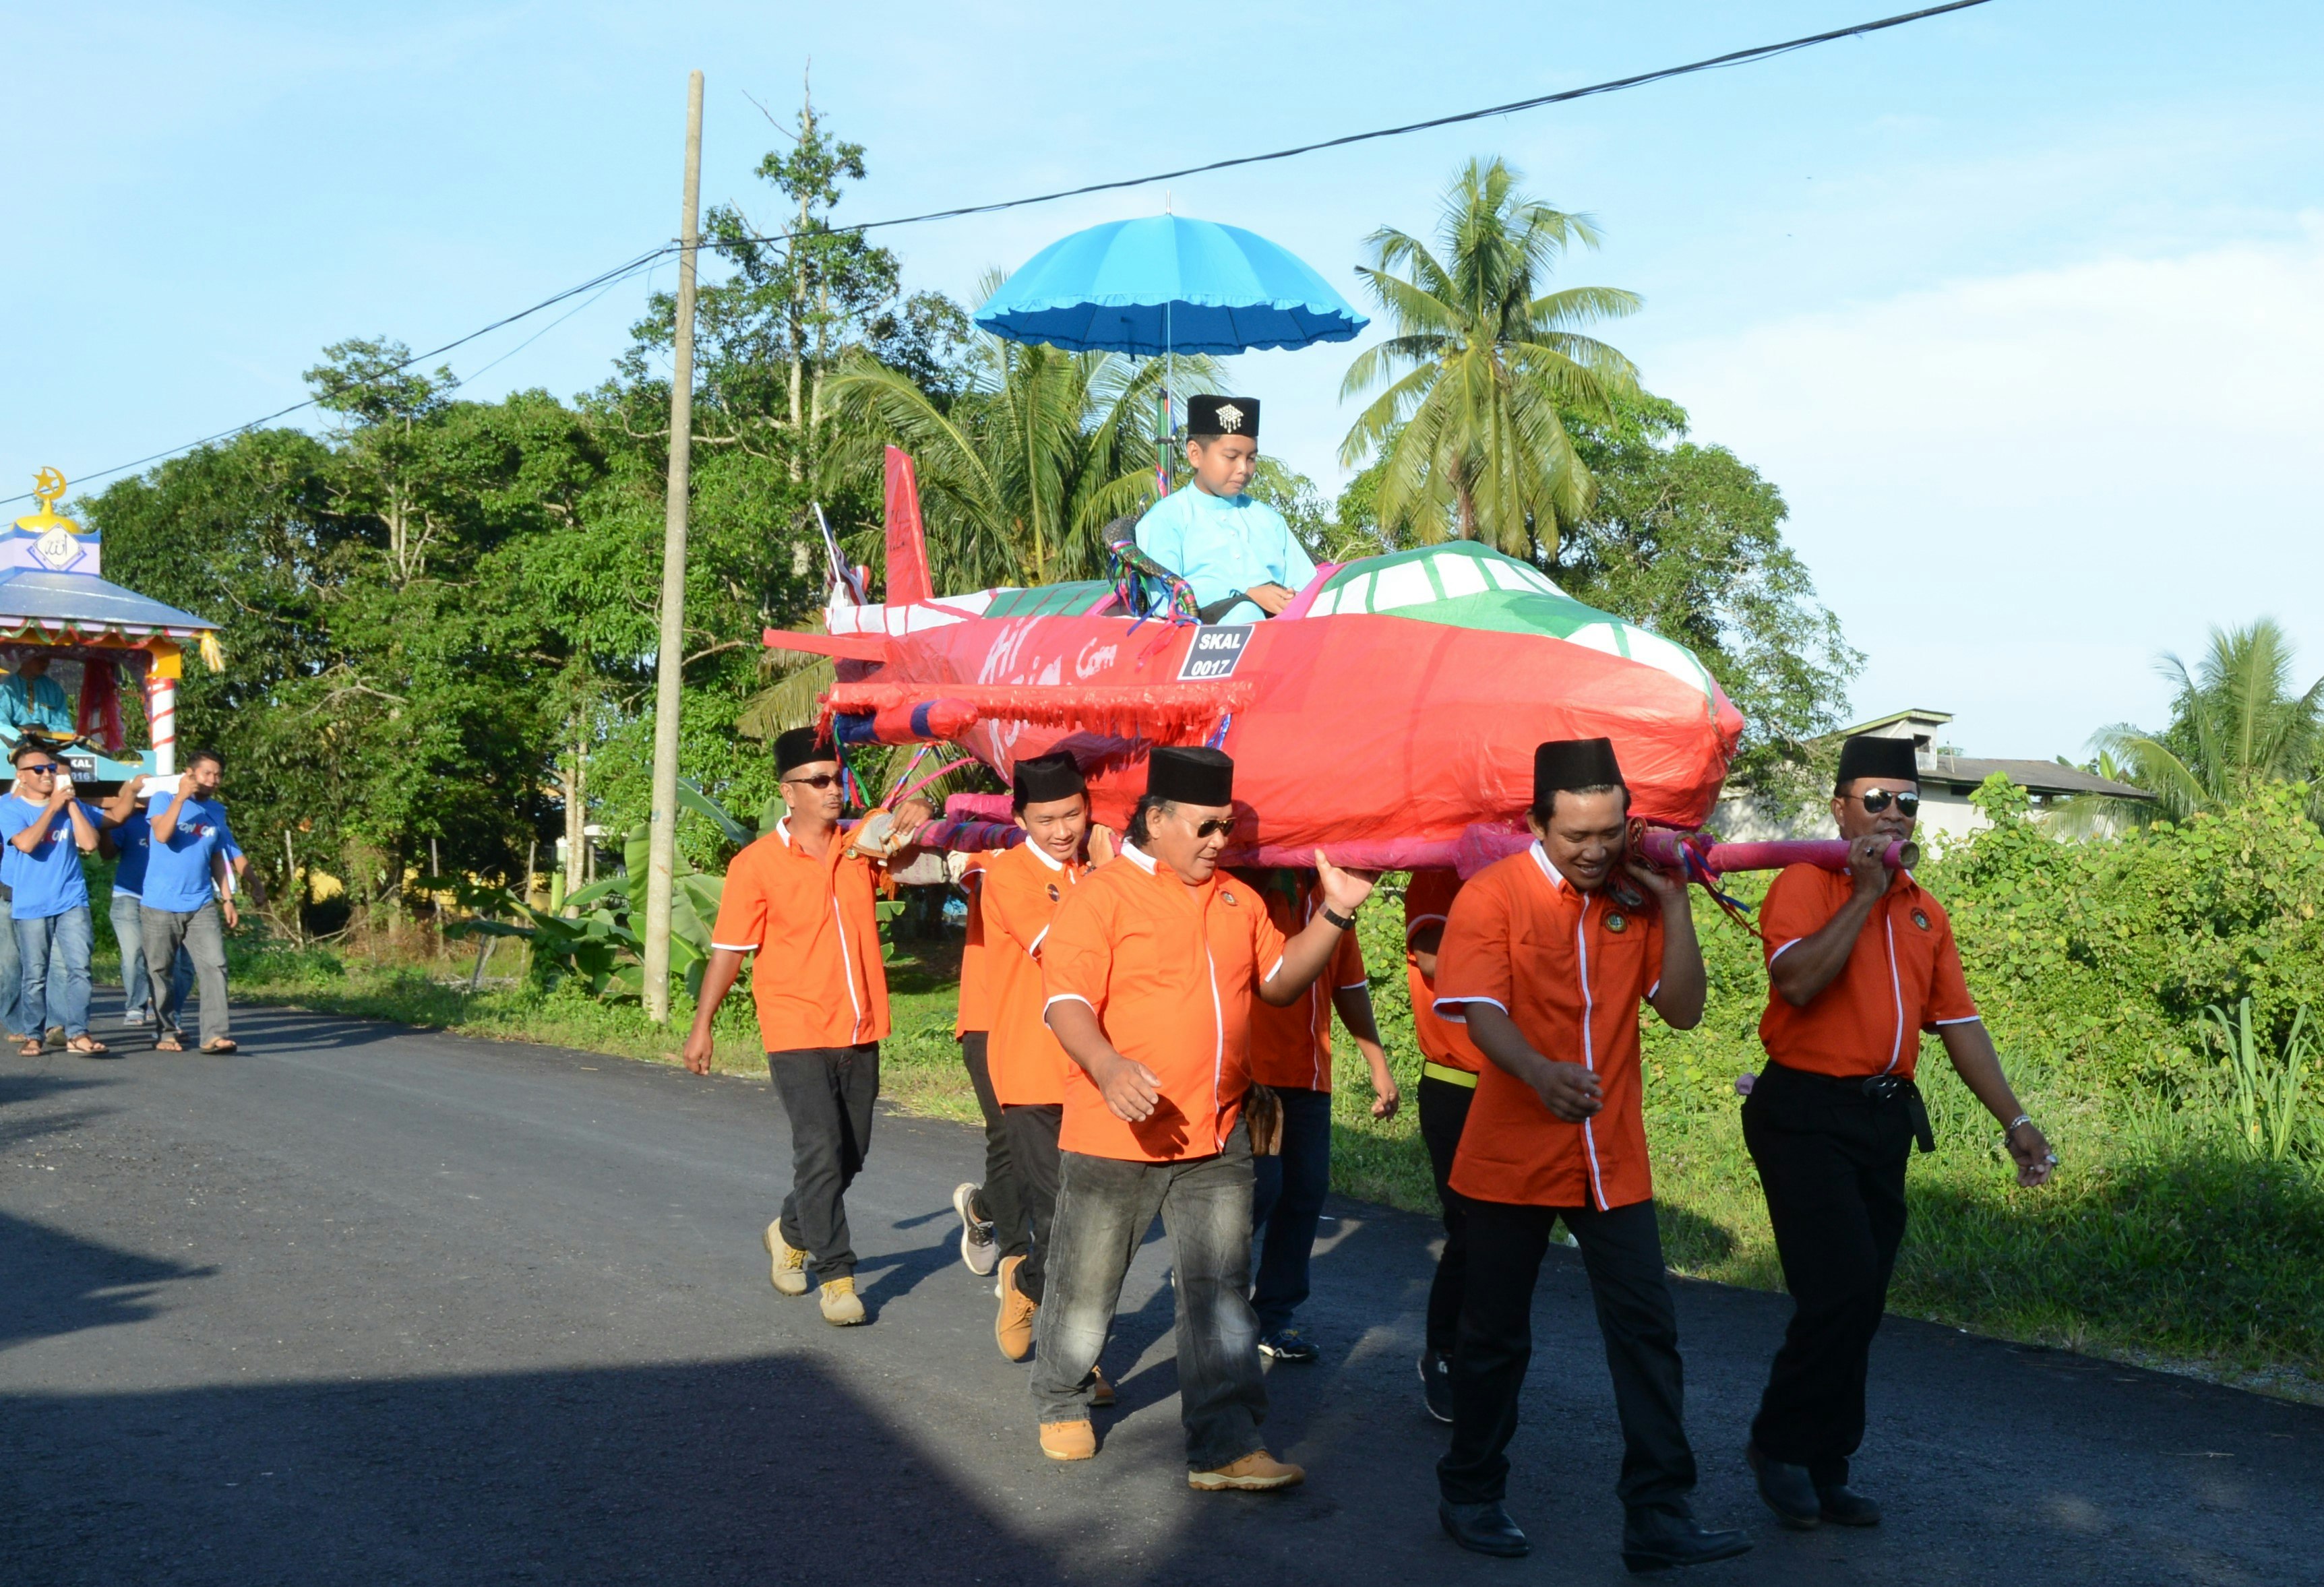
pixel 2015 490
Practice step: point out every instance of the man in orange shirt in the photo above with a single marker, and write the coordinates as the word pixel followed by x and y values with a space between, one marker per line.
pixel 1150 967
pixel 1291 1055
pixel 1448 1083
pixel 991 1214
pixel 1024 888
pixel 802 901
pixel 1859 966
pixel 1547 956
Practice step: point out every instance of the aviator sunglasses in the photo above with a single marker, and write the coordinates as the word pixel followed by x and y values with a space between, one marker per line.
pixel 1907 805
pixel 819 782
pixel 1213 827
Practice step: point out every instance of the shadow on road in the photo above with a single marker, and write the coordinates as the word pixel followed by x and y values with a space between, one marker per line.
pixel 57 1283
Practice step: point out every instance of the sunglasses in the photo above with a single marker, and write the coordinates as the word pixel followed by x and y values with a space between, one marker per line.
pixel 1213 827
pixel 819 782
pixel 1878 799
pixel 41 771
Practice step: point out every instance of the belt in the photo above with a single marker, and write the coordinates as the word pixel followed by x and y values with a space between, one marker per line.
pixel 1466 1079
pixel 1875 1089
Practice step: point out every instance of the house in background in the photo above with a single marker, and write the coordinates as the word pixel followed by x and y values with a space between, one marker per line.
pixel 1948 779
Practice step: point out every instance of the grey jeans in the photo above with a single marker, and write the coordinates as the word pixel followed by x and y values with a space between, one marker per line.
pixel 201 934
pixel 128 918
pixel 1105 1205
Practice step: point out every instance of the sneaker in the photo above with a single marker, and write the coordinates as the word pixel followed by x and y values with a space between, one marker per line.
pixel 1256 1472
pixel 1068 1441
pixel 842 1307
pixel 1287 1344
pixel 1012 1328
pixel 978 1248
pixel 1101 1392
pixel 1436 1383
pixel 790 1263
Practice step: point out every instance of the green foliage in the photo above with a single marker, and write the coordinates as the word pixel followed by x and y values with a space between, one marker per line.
pixel 1472 430
pixel 2234 723
pixel 1687 539
pixel 2267 1083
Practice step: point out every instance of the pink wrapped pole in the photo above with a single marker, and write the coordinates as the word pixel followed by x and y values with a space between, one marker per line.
pixel 1665 849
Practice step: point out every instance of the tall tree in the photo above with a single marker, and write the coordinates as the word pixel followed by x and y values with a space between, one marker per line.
pixel 1688 540
pixel 2236 723
pixel 1019 472
pixel 1472 430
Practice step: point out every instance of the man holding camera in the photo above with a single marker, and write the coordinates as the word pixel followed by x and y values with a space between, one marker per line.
pixel 188 888
pixel 48 830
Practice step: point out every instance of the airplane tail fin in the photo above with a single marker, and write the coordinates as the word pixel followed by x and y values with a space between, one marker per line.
pixel 907 549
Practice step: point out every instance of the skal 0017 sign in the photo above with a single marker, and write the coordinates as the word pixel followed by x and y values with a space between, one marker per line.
pixel 1215 653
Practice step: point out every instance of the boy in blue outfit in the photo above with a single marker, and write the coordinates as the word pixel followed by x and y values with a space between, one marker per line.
pixel 1236 553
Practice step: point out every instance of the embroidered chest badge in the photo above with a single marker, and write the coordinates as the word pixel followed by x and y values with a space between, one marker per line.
pixel 1618 922
pixel 1232 901
pixel 1920 919
pixel 1054 894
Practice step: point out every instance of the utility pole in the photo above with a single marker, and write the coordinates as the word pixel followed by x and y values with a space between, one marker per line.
pixel 661 865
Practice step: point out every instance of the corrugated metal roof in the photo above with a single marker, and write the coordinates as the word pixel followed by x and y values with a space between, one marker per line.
pixel 30 595
pixel 2035 776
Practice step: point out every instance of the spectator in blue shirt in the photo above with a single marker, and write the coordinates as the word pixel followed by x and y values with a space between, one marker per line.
pixel 128 838
pixel 47 830
pixel 187 888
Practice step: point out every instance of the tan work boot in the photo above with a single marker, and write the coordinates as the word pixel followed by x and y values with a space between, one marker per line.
pixel 1068 1441
pixel 1012 1329
pixel 790 1263
pixel 842 1307
pixel 1254 1474
pixel 1101 1392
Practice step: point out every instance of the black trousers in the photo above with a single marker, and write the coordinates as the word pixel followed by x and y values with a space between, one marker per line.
pixel 1033 1151
pixel 1832 1161
pixel 1622 1250
pixel 998 1198
pixel 1443 1112
pixel 827 1093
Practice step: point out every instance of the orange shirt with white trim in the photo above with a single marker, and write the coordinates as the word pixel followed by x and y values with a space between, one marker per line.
pixel 818 981
pixel 1171 972
pixel 1903 977
pixel 1024 887
pixel 976 977
pixel 1291 1047
pixel 1428 901
pixel 1571 969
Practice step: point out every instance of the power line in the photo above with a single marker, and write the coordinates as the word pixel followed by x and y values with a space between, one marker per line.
pixel 608 278
pixel 1733 58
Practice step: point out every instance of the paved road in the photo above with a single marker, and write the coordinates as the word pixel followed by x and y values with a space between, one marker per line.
pixel 371 1306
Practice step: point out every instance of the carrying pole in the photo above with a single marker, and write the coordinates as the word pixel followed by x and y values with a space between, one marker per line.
pixel 661 862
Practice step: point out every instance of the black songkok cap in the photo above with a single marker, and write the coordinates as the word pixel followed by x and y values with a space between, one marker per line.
pixel 1866 755
pixel 1564 765
pixel 1222 416
pixel 799 746
pixel 1053 776
pixel 1193 776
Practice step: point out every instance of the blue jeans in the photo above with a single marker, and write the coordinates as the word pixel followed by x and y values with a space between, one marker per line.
pixel 56 992
pixel 136 986
pixel 1287 1200
pixel 1104 1207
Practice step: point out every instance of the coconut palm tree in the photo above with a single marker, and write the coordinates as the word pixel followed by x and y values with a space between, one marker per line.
pixel 1482 359
pixel 2234 723
pixel 1019 472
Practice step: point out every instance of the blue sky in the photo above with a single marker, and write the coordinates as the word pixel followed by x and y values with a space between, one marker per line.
pixel 2022 308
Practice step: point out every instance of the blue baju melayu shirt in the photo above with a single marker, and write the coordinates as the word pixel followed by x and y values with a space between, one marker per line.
pixel 1222 544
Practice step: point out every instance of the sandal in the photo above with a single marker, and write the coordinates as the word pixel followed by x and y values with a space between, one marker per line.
pixel 32 1048
pixel 224 1044
pixel 89 1047
pixel 168 1042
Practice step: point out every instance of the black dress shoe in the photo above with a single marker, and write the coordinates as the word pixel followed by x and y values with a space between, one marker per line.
pixel 1843 1506
pixel 1655 1539
pixel 1787 1491
pixel 1482 1528
pixel 1436 1383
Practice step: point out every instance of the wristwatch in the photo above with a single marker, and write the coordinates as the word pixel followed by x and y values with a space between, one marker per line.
pixel 1344 922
